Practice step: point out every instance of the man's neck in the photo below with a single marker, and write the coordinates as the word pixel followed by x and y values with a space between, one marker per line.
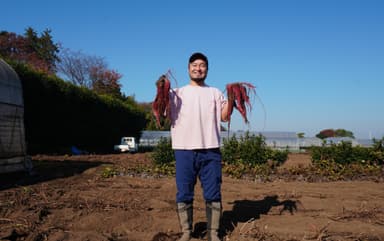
pixel 197 83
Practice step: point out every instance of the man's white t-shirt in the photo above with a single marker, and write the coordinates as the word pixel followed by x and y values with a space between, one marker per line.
pixel 196 117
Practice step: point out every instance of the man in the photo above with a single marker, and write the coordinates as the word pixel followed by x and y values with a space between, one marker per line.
pixel 196 114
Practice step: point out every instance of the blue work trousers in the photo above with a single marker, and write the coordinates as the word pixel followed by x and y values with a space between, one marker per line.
pixel 202 163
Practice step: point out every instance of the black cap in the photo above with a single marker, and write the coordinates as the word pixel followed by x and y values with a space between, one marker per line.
pixel 198 55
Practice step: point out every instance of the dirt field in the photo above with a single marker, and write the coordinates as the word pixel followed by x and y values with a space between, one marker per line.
pixel 68 199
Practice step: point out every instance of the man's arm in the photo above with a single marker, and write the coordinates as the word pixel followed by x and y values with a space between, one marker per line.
pixel 224 112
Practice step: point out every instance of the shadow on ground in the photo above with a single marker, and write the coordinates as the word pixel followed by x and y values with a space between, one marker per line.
pixel 45 170
pixel 249 210
pixel 242 211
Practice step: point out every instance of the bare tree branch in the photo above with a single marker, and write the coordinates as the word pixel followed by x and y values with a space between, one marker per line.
pixel 77 67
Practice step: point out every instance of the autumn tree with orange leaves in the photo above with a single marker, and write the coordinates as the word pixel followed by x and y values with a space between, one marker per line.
pixel 334 133
pixel 105 81
pixel 91 72
pixel 37 51
pixel 42 54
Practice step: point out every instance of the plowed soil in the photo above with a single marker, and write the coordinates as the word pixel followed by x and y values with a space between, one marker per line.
pixel 76 198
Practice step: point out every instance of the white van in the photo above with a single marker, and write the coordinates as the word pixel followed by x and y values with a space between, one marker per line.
pixel 127 144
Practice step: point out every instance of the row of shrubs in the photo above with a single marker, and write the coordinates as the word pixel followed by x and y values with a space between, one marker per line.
pixel 250 156
pixel 59 115
pixel 345 153
pixel 252 150
pixel 248 149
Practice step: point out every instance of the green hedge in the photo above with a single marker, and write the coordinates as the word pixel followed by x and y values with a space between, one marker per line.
pixel 250 149
pixel 345 153
pixel 59 115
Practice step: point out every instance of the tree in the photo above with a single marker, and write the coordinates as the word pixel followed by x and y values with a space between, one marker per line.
pixel 105 81
pixel 344 133
pixel 334 133
pixel 12 46
pixel 76 67
pixel 40 52
pixel 90 72
pixel 326 133
pixel 300 135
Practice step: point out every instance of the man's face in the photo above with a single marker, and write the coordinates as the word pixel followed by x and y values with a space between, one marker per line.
pixel 198 70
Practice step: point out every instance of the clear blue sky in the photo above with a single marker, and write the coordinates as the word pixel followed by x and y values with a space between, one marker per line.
pixel 317 64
